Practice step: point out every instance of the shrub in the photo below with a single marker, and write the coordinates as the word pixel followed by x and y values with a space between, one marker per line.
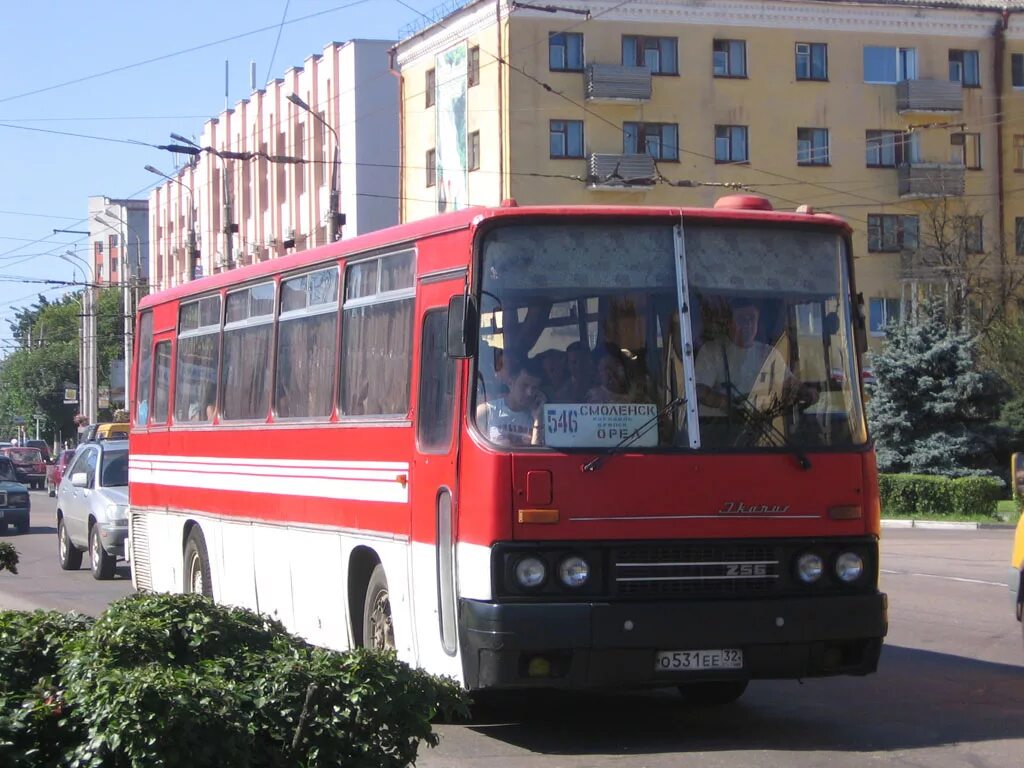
pixel 8 557
pixel 174 680
pixel 905 495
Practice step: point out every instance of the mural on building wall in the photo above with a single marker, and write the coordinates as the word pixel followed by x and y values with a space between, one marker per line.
pixel 452 178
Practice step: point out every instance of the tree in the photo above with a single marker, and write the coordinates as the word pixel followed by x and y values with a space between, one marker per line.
pixel 930 409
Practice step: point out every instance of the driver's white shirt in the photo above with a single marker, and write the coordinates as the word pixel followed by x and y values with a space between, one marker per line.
pixel 758 367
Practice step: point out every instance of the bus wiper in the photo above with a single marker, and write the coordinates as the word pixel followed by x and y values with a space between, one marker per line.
pixel 762 423
pixel 595 463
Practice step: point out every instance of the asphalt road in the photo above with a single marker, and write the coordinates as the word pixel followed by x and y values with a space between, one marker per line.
pixel 949 692
pixel 41 583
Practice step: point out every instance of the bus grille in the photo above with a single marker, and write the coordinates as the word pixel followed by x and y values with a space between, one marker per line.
pixel 140 553
pixel 694 570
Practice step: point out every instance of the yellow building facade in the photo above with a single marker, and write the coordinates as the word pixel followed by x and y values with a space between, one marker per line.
pixel 901 118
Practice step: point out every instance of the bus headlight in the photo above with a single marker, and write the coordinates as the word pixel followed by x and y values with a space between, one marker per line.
pixel 849 567
pixel 531 572
pixel 574 571
pixel 809 567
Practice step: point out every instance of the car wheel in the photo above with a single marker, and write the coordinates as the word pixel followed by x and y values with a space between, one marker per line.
pixel 22 526
pixel 101 564
pixel 198 580
pixel 70 558
pixel 378 627
pixel 712 693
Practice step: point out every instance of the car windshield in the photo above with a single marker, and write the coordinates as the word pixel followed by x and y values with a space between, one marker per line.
pixel 25 455
pixel 584 342
pixel 114 471
pixel 7 471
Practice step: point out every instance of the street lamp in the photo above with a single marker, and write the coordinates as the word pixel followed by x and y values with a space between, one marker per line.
pixel 193 252
pixel 334 219
pixel 87 343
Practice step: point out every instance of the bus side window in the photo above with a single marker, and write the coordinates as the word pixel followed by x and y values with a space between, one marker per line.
pixel 437 385
pixel 161 383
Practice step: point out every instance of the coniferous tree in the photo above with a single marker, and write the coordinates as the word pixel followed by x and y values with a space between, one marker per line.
pixel 930 408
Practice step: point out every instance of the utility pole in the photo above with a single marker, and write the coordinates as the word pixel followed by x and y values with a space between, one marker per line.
pixel 229 227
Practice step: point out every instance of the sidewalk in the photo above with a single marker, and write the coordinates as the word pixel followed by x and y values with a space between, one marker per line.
pixel 939 525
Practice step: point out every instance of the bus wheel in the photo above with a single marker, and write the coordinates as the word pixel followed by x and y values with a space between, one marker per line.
pixel 378 630
pixel 197 565
pixel 712 693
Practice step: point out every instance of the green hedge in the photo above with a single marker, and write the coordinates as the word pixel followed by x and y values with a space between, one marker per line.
pixel 174 680
pixel 934 496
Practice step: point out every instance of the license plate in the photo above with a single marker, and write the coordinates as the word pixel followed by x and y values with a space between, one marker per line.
pixel 694 661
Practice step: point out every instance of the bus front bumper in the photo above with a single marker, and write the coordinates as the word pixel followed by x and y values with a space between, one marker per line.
pixel 599 645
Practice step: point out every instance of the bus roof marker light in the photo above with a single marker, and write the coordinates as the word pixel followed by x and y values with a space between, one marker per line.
pixel 744 203
pixel 805 209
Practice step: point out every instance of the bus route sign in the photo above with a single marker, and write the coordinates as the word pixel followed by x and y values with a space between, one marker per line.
pixel 599 425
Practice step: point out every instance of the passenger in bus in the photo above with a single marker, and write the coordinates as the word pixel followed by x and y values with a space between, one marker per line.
pixel 614 384
pixel 581 371
pixel 557 384
pixel 515 418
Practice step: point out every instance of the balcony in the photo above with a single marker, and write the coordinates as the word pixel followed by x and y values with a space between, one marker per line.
pixel 931 180
pixel 929 96
pixel 620 172
pixel 614 82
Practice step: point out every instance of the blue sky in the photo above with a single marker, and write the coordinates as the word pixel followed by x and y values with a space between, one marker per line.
pixel 46 178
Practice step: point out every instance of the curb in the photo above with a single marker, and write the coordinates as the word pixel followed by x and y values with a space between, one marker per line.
pixel 937 525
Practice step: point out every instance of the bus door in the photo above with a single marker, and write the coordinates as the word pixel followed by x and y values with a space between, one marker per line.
pixel 433 489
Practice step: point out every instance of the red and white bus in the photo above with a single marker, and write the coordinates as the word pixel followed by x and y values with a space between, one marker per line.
pixel 527 446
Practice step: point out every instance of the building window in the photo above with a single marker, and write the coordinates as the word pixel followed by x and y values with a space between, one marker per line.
pixel 889 65
pixel 659 140
pixel 1017 69
pixel 565 52
pixel 473 151
pixel 963 68
pixel 812 146
pixel 658 54
pixel 1018 152
pixel 973 238
pixel 1018 226
pixel 99 247
pixel 811 61
pixel 883 312
pixel 731 144
pixel 889 233
pixel 965 150
pixel 473 67
pixel 429 88
pixel 431 167
pixel 566 138
pixel 889 149
pixel 730 58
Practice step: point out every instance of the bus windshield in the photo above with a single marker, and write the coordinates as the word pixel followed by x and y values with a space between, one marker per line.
pixel 706 336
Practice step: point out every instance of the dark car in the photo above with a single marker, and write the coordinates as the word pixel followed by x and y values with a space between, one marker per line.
pixel 42 445
pixel 55 471
pixel 14 501
pixel 28 464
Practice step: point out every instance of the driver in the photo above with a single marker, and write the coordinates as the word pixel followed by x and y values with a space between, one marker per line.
pixel 738 365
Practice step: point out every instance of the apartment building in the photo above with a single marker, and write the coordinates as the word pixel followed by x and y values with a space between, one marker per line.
pixel 311 156
pixel 906 118
pixel 118 240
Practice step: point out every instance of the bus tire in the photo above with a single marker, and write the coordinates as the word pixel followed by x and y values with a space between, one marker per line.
pixel 198 580
pixel 712 693
pixel 69 556
pixel 378 628
pixel 100 563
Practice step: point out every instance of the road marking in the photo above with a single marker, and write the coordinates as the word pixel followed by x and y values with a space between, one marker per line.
pixel 946 578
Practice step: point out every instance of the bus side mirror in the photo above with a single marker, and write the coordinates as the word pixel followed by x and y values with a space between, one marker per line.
pixel 461 327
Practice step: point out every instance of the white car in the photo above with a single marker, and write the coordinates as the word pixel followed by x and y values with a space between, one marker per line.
pixel 92 508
